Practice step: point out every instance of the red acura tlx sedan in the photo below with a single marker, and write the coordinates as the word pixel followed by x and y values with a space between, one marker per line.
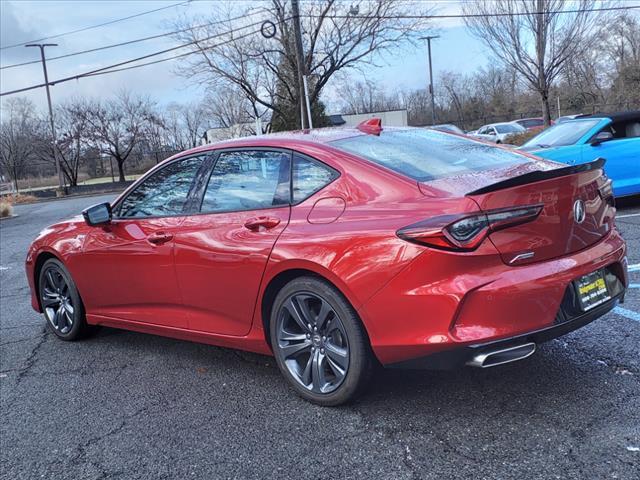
pixel 338 249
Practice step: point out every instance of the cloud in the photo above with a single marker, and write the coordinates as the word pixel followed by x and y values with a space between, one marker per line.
pixel 14 29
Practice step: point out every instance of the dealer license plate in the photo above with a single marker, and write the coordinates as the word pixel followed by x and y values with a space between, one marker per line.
pixel 592 290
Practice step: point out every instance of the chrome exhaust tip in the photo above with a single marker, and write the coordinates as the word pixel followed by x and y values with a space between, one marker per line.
pixel 500 357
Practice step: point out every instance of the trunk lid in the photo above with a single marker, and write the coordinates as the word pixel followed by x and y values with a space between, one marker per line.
pixel 577 212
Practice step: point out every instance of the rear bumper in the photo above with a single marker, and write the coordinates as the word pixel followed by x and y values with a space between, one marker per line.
pixel 458 357
pixel 445 302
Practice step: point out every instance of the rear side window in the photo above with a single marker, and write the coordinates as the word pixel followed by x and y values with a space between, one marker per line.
pixel 164 193
pixel 247 180
pixel 309 176
pixel 531 123
pixel 425 155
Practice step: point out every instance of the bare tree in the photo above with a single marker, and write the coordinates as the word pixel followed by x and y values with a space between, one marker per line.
pixel 118 125
pixel 189 122
pixel 624 52
pixel 366 96
pixel 536 38
pixel 73 139
pixel 17 130
pixel 337 36
pixel 226 107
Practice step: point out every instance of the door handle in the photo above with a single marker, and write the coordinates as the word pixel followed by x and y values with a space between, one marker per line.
pixel 254 224
pixel 158 238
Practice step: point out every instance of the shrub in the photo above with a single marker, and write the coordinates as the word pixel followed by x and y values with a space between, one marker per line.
pixel 6 209
pixel 22 198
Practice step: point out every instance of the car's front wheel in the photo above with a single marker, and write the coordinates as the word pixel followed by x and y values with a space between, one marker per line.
pixel 60 301
pixel 319 342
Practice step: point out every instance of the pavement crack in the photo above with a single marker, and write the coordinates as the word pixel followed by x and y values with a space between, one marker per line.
pixel 31 358
pixel 81 450
pixel 393 436
pixel 21 340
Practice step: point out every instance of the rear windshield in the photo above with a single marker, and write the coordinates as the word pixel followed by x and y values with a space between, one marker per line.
pixel 427 154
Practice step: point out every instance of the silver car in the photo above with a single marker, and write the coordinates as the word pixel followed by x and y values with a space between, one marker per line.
pixel 498 132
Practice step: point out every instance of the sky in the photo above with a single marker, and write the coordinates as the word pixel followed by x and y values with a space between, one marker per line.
pixel 25 20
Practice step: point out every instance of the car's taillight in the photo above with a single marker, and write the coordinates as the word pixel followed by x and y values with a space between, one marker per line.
pixel 466 232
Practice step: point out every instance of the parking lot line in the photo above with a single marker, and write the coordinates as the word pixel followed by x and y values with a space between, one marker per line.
pixel 628 215
pixel 633 268
pixel 630 314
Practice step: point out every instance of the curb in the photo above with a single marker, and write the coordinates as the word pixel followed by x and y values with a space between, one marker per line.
pixel 68 197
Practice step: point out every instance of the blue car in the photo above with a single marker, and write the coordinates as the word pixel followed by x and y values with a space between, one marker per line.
pixel 614 137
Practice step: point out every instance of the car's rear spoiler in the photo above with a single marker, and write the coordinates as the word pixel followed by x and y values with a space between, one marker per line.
pixel 540 175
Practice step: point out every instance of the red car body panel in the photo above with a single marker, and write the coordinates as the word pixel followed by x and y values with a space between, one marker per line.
pixel 219 264
pixel 207 281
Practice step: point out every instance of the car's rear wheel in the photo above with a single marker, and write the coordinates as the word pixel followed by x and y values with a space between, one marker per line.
pixel 61 302
pixel 319 342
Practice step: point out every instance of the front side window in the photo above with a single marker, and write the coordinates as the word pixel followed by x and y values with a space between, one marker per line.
pixel 164 193
pixel 248 180
pixel 309 176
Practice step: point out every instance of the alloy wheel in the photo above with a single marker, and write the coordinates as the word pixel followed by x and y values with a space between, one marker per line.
pixel 56 300
pixel 313 342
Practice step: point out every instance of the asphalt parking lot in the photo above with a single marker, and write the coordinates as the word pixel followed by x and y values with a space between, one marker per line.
pixel 128 405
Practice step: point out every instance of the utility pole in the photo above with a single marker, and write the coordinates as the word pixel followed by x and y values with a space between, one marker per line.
pixel 305 113
pixel 433 101
pixel 56 155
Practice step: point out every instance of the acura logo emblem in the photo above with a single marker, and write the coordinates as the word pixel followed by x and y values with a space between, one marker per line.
pixel 579 212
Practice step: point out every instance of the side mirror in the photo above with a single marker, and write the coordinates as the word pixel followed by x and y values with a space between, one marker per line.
pixel 491 132
pixel 601 137
pixel 97 215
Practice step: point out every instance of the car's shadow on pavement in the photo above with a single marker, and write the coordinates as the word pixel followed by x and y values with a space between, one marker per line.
pixel 551 380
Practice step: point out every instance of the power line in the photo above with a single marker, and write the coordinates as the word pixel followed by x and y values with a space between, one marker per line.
pixel 130 42
pixel 109 68
pixel 461 15
pixel 131 67
pixel 84 29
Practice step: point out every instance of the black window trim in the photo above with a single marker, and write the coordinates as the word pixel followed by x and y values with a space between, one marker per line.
pixel 199 195
pixel 186 209
pixel 336 177
pixel 195 197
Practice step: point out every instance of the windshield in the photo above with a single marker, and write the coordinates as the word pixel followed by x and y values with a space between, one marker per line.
pixel 508 128
pixel 427 154
pixel 566 133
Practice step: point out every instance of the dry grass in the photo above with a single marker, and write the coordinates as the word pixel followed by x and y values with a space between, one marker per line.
pixel 522 138
pixel 6 209
pixel 18 198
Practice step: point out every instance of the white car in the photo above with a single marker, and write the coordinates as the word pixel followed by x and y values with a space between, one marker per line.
pixel 498 132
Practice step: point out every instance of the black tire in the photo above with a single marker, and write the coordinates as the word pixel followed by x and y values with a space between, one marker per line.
pixel 344 333
pixel 61 304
